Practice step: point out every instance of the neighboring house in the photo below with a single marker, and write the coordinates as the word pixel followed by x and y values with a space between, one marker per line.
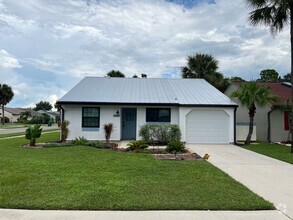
pixel 54 115
pixel 272 121
pixel 204 114
pixel 14 113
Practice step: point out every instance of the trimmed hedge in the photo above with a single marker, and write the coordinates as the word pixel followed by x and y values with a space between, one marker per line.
pixel 160 133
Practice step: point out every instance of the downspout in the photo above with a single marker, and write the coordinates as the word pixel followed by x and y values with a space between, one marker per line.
pixel 269 123
pixel 62 113
pixel 235 109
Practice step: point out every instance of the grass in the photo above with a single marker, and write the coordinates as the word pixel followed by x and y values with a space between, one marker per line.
pixel 22 133
pixel 272 150
pixel 87 178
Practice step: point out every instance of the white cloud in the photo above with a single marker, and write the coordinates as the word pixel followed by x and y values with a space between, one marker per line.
pixel 7 60
pixel 63 41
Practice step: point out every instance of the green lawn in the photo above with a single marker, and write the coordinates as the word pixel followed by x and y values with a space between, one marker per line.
pixel 272 150
pixel 22 133
pixel 82 177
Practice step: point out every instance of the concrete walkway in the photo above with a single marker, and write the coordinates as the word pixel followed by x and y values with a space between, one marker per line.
pixel 12 214
pixel 270 178
pixel 20 136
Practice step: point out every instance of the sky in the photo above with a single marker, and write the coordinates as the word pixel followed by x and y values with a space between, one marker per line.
pixel 48 46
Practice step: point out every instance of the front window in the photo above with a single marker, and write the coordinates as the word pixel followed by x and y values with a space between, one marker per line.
pixel 158 115
pixel 91 117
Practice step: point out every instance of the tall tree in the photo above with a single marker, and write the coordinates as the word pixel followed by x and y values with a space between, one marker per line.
pixel 275 14
pixel 43 105
pixel 200 66
pixel 204 66
pixel 286 78
pixel 115 73
pixel 269 75
pixel 6 95
pixel 252 95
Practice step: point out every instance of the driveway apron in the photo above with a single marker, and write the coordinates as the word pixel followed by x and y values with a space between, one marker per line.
pixel 270 178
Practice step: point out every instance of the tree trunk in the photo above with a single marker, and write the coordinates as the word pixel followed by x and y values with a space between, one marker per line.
pixel 291 41
pixel 251 120
pixel 33 142
pixel 3 117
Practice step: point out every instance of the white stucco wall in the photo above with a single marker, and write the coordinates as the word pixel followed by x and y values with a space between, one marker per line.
pixel 183 111
pixel 278 132
pixel 73 114
pixel 141 116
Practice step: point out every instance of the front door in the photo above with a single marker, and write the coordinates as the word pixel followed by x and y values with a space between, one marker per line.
pixel 128 123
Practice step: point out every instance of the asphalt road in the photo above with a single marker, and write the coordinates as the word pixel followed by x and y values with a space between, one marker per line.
pixel 16 130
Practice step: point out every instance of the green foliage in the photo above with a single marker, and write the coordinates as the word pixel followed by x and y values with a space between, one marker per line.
pixel 159 133
pixel 115 73
pixel 204 66
pixel 251 94
pixel 43 105
pixel 23 118
pixel 80 141
pixel 98 144
pixel 6 95
pixel 85 178
pixel 137 145
pixel 175 147
pixel 32 133
pixel 64 130
pixel 6 120
pixel 286 78
pixel 269 75
pixel 134 76
pixel 108 129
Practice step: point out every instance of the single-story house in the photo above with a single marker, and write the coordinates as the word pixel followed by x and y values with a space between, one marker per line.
pixel 204 114
pixel 54 115
pixel 272 121
pixel 13 114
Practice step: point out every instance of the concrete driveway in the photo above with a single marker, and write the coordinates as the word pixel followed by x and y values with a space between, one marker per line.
pixel 270 178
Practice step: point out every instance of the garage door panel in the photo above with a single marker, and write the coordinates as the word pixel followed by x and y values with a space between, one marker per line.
pixel 207 126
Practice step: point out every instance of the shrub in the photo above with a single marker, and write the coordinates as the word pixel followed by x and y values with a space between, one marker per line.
pixel 6 120
pixel 137 145
pixel 108 128
pixel 98 144
pixel 32 133
pixel 64 130
pixel 80 141
pixel 161 134
pixel 174 133
pixel 175 147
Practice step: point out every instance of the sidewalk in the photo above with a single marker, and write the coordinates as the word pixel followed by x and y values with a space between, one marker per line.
pixel 11 214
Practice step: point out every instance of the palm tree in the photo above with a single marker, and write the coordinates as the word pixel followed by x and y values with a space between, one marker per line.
pixel 251 95
pixel 6 95
pixel 203 66
pixel 275 14
pixel 200 66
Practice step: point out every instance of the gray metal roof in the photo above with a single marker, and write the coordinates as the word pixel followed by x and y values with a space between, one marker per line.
pixel 158 91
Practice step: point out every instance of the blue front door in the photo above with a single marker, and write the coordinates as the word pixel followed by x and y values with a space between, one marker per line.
pixel 128 123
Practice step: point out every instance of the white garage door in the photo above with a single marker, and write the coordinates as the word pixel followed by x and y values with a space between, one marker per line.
pixel 207 127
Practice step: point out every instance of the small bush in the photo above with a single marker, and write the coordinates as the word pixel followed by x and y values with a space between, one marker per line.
pixel 160 133
pixel 175 147
pixel 98 144
pixel 80 141
pixel 6 120
pixel 108 128
pixel 64 130
pixel 32 133
pixel 137 145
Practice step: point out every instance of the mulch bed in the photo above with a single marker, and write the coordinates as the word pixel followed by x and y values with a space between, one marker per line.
pixel 186 156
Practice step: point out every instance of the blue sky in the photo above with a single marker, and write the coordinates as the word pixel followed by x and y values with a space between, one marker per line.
pixel 47 46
